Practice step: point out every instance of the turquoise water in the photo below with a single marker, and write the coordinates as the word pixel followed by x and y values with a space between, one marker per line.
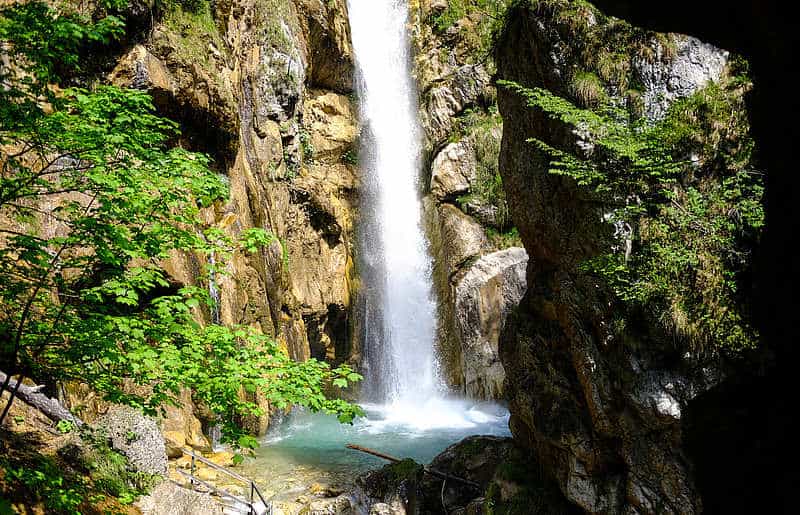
pixel 308 448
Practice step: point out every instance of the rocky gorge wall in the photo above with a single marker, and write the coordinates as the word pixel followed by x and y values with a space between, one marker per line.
pixel 602 412
pixel 264 87
pixel 479 265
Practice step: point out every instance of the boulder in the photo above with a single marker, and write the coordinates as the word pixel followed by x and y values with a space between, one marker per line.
pixel 462 238
pixel 391 490
pixel 137 437
pixel 453 171
pixel 491 288
pixel 170 499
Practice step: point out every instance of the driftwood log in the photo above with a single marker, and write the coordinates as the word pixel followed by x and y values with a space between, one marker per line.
pixel 32 395
pixel 433 472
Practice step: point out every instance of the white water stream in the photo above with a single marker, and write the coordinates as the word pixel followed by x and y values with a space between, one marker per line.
pixel 403 359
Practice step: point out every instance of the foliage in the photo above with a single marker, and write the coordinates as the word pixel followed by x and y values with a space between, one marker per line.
pixel 504 239
pixel 45 481
pixel 600 47
pixel 306 145
pixel 64 426
pixel 350 157
pixel 487 16
pixel 110 471
pixel 93 197
pixel 685 202
pixel 587 89
pixel 192 24
pixel 84 470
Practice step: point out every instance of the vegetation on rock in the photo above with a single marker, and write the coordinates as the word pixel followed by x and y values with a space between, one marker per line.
pixel 483 18
pixel 93 196
pixel 684 199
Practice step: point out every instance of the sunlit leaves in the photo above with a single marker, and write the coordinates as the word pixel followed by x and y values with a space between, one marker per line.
pixel 94 196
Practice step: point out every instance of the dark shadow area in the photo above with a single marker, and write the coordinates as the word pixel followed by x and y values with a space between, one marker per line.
pixel 738 435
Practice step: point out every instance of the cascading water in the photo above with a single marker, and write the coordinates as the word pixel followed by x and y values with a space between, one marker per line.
pixel 408 412
pixel 400 314
pixel 401 366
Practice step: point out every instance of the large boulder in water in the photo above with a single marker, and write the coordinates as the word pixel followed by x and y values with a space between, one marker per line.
pixel 394 489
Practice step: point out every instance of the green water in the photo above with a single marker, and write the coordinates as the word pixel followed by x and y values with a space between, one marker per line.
pixel 310 448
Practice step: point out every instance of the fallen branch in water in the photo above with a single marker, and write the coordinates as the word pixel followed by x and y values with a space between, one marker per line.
pixel 433 472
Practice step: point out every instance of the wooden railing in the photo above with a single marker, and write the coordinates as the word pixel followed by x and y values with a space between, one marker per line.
pixel 255 502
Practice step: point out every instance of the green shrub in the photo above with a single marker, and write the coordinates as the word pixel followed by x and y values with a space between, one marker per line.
pixel 687 189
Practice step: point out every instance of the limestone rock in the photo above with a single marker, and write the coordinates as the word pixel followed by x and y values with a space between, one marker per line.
pixel 453 171
pixel 491 288
pixel 331 120
pixel 170 499
pixel 327 34
pixel 462 237
pixel 694 65
pixel 137 437
pixel 181 428
pixel 464 87
pixel 600 411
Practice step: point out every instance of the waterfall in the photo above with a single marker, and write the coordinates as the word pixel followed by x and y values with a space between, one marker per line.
pixel 398 308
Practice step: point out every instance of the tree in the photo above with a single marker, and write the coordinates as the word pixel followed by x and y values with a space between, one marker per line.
pixel 93 196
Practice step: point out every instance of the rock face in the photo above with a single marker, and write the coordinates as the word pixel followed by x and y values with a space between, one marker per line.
pixel 262 87
pixel 602 413
pixel 137 437
pixel 695 64
pixel 462 138
pixel 170 499
pixel 491 288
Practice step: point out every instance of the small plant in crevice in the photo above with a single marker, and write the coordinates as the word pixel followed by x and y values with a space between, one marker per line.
pixel 350 157
pixel 306 146
pixel 587 89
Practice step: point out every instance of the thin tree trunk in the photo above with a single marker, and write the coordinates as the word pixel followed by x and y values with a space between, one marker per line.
pixel 33 396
